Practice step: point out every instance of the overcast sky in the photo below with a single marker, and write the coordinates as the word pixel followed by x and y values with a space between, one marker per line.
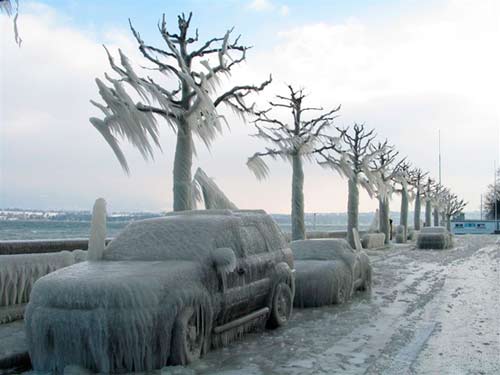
pixel 405 68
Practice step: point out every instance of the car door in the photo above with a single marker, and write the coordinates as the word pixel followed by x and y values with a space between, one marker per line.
pixel 256 266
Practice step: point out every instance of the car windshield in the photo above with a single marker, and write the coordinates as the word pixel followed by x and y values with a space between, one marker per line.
pixel 173 238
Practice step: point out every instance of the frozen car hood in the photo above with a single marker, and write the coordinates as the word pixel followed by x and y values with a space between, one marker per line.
pixel 115 284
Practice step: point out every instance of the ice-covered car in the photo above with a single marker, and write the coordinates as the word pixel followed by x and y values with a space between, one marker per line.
pixel 434 238
pixel 165 291
pixel 328 271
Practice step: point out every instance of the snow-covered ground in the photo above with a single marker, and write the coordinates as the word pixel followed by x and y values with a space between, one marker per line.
pixel 430 312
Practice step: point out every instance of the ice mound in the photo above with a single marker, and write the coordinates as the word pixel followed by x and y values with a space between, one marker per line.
pixel 401 236
pixel 434 238
pixel 373 240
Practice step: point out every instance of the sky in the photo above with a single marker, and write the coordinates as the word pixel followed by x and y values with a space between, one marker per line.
pixel 406 68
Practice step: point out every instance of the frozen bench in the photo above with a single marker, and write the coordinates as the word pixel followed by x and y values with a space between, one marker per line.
pixel 18 273
pixel 373 240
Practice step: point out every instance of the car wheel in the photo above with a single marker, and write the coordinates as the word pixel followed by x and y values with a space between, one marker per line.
pixel 341 294
pixel 187 338
pixel 281 307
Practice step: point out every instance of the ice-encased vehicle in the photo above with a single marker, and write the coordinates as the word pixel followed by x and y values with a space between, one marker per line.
pixel 165 291
pixel 328 271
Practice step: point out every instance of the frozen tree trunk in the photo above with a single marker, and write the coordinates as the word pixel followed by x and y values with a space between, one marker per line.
pixel 448 223
pixel 436 217
pixel 403 220
pixel 352 209
pixel 416 217
pixel 404 209
pixel 428 213
pixel 298 226
pixel 383 204
pixel 183 162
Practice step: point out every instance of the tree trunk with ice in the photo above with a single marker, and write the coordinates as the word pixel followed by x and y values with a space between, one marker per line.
pixel 428 212
pixel 416 214
pixel 190 109
pixel 298 226
pixel 435 214
pixel 416 178
pixel 352 209
pixel 183 162
pixel 385 227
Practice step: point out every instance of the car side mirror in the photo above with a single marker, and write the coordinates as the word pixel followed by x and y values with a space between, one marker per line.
pixel 224 259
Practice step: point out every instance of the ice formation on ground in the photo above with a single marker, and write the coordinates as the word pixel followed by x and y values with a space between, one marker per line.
pixel 125 312
pixel 97 238
pixel 373 240
pixel 434 238
pixel 213 197
pixel 401 235
pixel 327 271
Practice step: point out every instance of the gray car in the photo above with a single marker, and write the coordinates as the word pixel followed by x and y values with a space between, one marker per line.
pixel 166 290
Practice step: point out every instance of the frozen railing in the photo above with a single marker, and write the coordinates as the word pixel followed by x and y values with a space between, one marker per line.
pixel 24 262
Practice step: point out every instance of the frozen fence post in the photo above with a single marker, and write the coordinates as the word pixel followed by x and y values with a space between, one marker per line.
pixel 97 240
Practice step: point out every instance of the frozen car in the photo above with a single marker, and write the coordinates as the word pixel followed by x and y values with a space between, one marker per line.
pixel 328 271
pixel 434 238
pixel 165 291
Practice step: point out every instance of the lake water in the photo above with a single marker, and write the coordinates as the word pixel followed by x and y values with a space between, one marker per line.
pixel 51 229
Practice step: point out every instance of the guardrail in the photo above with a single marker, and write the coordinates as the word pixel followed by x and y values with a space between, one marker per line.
pixel 43 246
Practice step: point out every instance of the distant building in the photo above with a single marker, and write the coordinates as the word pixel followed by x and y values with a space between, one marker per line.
pixel 473 226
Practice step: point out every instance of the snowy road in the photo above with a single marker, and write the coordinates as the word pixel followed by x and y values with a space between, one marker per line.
pixel 430 312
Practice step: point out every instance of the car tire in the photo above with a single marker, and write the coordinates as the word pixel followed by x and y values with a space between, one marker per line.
pixel 281 306
pixel 187 338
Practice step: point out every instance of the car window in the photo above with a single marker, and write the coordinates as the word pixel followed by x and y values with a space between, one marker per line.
pixel 252 240
pixel 228 238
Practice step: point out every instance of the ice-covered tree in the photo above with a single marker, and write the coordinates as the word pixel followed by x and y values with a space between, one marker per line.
pixel 388 167
pixel 7 8
pixel 293 141
pixel 437 201
pixel 427 192
pixel 492 199
pixel 403 179
pixel 352 158
pixel 417 180
pixel 452 207
pixel 195 70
